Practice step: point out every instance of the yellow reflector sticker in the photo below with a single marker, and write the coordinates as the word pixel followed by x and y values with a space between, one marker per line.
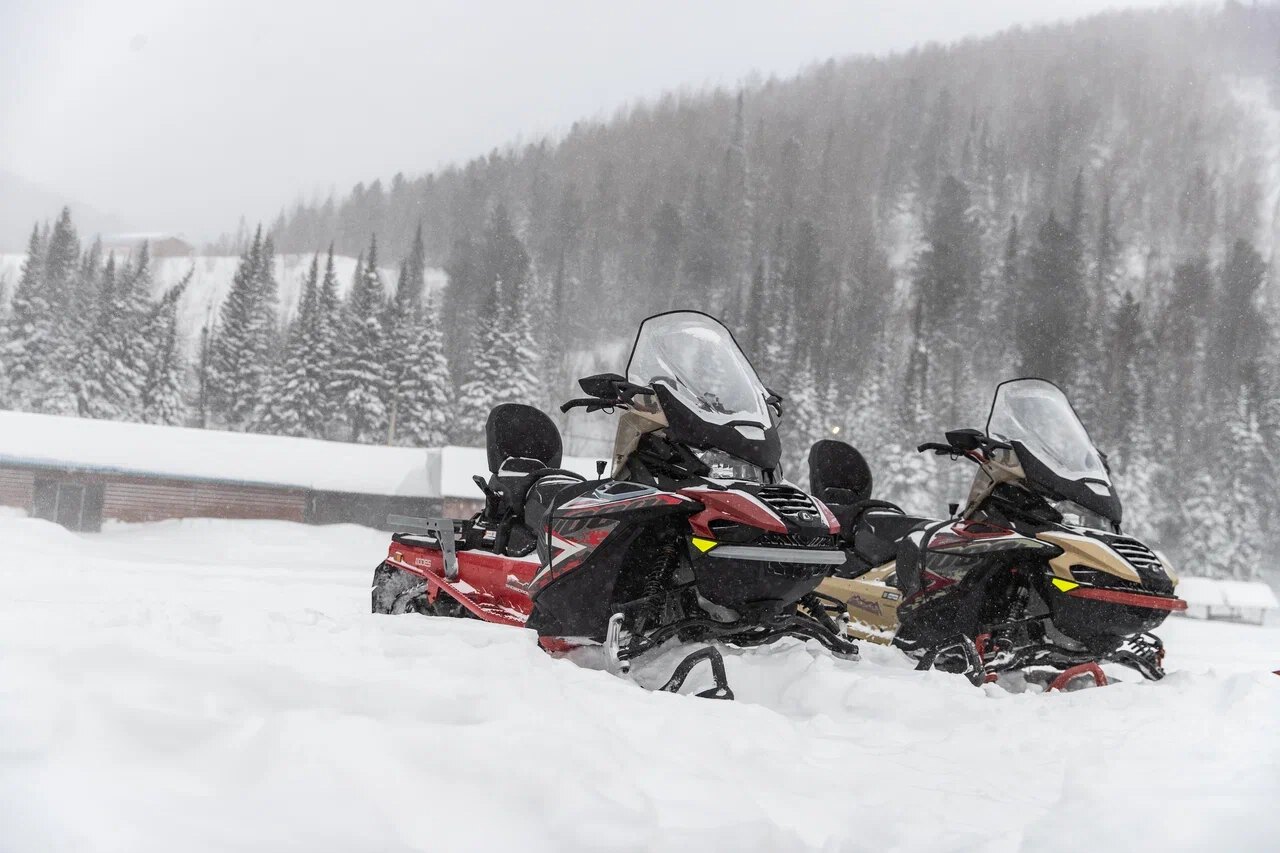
pixel 704 545
pixel 1065 586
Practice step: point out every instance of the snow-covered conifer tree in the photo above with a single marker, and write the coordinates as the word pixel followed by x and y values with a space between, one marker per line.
pixel 28 331
pixel 164 389
pixel 486 376
pixel 241 346
pixel 360 377
pixel 293 400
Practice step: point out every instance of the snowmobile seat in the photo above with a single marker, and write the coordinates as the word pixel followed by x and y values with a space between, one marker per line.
pixel 840 477
pixel 524 449
pixel 835 466
pixel 517 431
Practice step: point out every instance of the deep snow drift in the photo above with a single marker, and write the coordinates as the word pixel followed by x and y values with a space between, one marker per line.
pixel 213 685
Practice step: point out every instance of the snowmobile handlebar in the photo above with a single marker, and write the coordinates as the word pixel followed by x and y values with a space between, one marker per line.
pixel 939 448
pixel 608 391
pixel 592 404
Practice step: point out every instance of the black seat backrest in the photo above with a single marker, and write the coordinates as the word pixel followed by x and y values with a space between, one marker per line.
pixel 515 430
pixel 834 467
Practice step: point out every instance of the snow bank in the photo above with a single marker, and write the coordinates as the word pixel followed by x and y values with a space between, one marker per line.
pixel 1228 599
pixel 212 685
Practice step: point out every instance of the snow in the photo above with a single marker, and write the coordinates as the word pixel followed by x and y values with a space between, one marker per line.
pixel 1212 592
pixel 214 685
pixel 212 280
pixel 207 454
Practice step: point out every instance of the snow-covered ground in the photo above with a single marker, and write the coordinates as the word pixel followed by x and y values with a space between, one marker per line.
pixel 214 685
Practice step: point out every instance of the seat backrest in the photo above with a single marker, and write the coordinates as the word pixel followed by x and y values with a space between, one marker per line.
pixel 517 430
pixel 837 465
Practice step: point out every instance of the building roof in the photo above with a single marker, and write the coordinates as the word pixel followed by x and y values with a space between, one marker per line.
pixel 211 455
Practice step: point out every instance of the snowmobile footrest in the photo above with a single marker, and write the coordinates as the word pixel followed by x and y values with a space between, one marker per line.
pixel 1099 677
pixel 720 691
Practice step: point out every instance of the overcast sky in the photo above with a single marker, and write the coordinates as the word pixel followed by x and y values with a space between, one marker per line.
pixel 183 116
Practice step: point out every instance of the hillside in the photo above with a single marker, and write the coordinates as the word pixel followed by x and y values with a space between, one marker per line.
pixel 1095 202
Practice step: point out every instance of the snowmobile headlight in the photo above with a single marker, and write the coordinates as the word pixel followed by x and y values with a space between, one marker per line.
pixel 727 467
pixel 1077 516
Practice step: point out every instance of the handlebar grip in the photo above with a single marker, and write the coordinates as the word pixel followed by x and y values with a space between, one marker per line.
pixel 936 447
pixel 592 404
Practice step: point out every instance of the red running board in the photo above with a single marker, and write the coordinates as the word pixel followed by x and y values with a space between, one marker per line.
pixel 1132 599
pixel 1099 677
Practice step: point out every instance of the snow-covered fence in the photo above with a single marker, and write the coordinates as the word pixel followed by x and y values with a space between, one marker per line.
pixel 1239 601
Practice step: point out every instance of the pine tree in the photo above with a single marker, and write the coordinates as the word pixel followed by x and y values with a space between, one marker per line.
pixel 240 348
pixel 360 377
pixel 328 336
pixel 94 360
pixel 29 330
pixel 164 391
pixel 293 404
pixel 421 388
pixel 486 377
pixel 129 342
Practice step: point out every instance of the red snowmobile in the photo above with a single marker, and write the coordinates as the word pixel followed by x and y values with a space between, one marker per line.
pixel 695 538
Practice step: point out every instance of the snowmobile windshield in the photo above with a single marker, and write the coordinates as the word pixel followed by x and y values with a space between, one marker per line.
pixel 1036 414
pixel 697 359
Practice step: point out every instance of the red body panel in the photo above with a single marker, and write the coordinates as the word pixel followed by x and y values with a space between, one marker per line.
pixel 492 587
pixel 737 507
pixel 1131 599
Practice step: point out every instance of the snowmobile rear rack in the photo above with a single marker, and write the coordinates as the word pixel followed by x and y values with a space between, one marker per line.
pixel 437 526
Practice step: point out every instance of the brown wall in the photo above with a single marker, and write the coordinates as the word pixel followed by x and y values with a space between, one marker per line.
pixel 15 488
pixel 461 507
pixel 136 499
pixel 129 498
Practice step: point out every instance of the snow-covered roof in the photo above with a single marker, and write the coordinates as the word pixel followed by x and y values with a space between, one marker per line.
pixel 249 458
pixel 1214 592
pixel 215 455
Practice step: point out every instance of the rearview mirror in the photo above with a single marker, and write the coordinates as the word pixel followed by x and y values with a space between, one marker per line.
pixel 602 385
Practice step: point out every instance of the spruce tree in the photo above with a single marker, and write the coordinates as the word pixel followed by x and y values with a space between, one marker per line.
pixel 28 333
pixel 163 399
pixel 360 377
pixel 486 376
pixel 94 360
pixel 422 392
pixel 293 402
pixel 237 370
pixel 324 353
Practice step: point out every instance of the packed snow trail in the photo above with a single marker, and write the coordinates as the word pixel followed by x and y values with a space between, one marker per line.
pixel 214 685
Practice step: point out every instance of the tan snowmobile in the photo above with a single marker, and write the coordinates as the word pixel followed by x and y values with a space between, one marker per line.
pixel 1033 575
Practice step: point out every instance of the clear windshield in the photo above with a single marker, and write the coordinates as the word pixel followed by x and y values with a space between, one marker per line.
pixel 1037 414
pixel 697 359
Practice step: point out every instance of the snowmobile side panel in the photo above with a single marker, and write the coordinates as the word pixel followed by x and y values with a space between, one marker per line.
pixel 493 587
pixel 872 602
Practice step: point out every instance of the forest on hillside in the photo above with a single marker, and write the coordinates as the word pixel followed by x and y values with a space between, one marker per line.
pixel 1096 203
